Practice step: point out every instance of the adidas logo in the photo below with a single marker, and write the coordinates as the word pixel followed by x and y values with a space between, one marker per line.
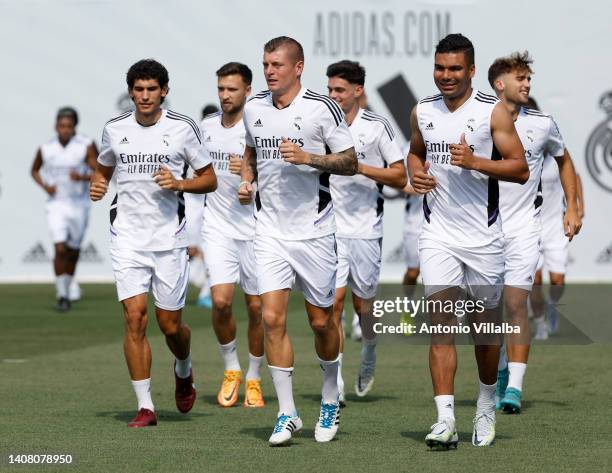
pixel 37 254
pixel 124 141
pixel 258 123
pixel 605 256
pixel 208 139
pixel 430 126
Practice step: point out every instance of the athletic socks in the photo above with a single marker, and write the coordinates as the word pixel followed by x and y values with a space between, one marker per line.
pixel 329 393
pixel 503 358
pixel 142 388
pixel 283 385
pixel 445 404
pixel 62 285
pixel 229 353
pixel 368 350
pixel 517 374
pixel 486 398
pixel 254 367
pixel 183 367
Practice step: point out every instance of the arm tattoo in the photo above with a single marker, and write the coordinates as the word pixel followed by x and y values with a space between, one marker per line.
pixel 343 163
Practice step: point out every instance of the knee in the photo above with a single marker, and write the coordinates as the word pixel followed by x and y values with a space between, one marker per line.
pixel 222 305
pixel 169 327
pixel 61 250
pixel 515 308
pixel 273 323
pixel 135 323
pixel 557 279
pixel 254 311
pixel 321 324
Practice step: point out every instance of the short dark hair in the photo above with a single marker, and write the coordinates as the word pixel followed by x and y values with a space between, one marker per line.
pixel 209 109
pixel 351 71
pixel 515 62
pixel 67 112
pixel 236 68
pixel 147 69
pixel 275 43
pixel 455 43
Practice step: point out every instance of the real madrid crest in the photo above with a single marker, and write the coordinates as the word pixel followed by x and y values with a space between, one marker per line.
pixel 599 147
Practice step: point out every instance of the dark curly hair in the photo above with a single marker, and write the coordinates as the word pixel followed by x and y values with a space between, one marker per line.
pixel 146 69
pixel 350 71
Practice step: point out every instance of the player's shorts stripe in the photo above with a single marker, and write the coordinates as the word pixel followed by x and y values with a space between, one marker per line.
pixel 369 116
pixel 493 204
pixel 113 210
pixel 537 203
pixel 192 124
pixel 426 209
pixel 119 118
pixel 331 105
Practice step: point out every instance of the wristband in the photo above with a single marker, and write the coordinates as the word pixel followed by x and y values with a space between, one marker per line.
pixel 242 183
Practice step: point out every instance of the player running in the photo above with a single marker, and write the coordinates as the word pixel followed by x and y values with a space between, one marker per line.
pixel 520 208
pixel 288 130
pixel 462 142
pixel 148 148
pixel 62 168
pixel 229 229
pixel 358 208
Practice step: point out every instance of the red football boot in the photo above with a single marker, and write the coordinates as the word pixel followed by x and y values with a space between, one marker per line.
pixel 144 418
pixel 185 393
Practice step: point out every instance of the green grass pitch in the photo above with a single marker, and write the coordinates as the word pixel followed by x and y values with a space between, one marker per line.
pixel 65 389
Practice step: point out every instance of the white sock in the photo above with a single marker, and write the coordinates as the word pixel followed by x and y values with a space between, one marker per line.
pixel 142 388
pixel 340 380
pixel 503 358
pixel 62 283
pixel 283 385
pixel 183 367
pixel 254 367
pixel 368 350
pixel 229 353
pixel 329 393
pixel 486 398
pixel 445 404
pixel 204 291
pixel 517 374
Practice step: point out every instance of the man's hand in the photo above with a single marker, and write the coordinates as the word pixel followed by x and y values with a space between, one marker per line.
pixel 75 176
pixel 98 189
pixel 165 179
pixel 49 190
pixel 572 223
pixel 245 193
pixel 461 154
pixel 422 182
pixel 235 164
pixel 292 153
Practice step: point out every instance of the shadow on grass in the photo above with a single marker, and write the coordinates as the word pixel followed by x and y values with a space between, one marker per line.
pixel 464 437
pixel 162 416
pixel 526 404
pixel 263 433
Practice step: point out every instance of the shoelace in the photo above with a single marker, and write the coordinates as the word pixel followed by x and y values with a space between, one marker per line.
pixel 327 416
pixel 281 423
pixel 228 379
pixel 479 421
pixel 253 387
pixel 443 425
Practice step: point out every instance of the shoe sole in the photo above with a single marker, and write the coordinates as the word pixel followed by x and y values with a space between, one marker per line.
pixel 232 402
pixel 286 442
pixel 511 408
pixel 437 444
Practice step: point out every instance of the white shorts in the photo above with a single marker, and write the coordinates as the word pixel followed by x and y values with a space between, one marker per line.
pixel 194 212
pixel 411 249
pixel 166 272
pixel 311 263
pixel 554 253
pixel 521 254
pixel 67 222
pixel 479 269
pixel 229 260
pixel 359 265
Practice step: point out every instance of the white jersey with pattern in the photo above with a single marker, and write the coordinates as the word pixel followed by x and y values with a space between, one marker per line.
pixel 553 204
pixel 143 215
pixel 294 201
pixel 358 200
pixel 463 209
pixel 520 204
pixel 223 212
pixel 59 161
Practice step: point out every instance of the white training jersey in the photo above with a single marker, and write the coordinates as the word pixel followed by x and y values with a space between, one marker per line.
pixel 553 205
pixel 358 200
pixel 520 204
pixel 295 202
pixel 59 161
pixel 463 209
pixel 223 212
pixel 143 215
pixel 413 214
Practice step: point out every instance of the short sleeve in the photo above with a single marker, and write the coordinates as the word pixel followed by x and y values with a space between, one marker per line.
pixel 248 139
pixel 336 132
pixel 106 157
pixel 554 144
pixel 388 146
pixel 196 154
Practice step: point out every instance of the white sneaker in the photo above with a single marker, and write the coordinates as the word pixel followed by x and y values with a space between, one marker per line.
pixel 341 398
pixel 484 429
pixel 365 377
pixel 541 329
pixel 286 426
pixel 443 435
pixel 329 421
pixel 74 291
pixel 355 329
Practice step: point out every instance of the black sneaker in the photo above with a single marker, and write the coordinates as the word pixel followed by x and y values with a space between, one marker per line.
pixel 63 304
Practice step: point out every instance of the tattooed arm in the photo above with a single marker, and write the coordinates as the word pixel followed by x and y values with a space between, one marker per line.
pixel 343 163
